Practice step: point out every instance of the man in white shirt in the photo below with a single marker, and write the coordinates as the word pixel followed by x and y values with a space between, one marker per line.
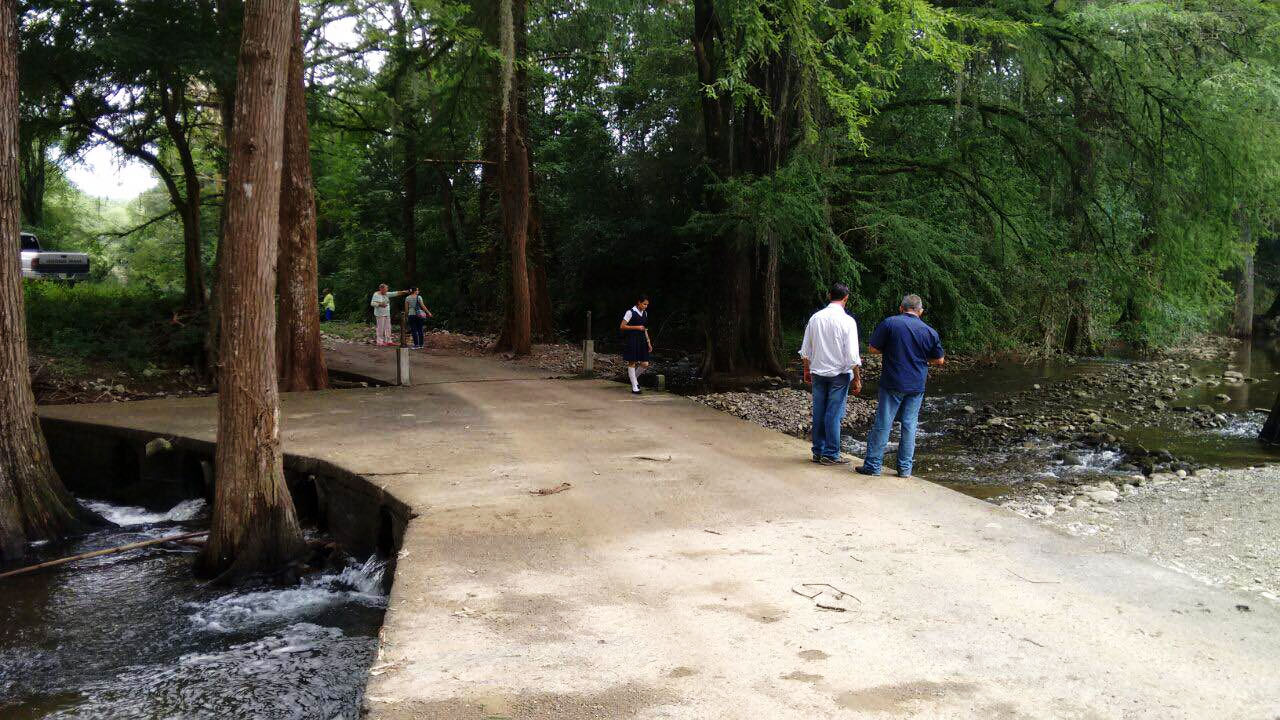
pixel 381 303
pixel 831 364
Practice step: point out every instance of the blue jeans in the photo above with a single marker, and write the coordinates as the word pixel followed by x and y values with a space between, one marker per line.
pixel 906 408
pixel 829 394
pixel 415 328
pixel 328 315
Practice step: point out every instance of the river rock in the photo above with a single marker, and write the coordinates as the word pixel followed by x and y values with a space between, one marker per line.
pixel 1103 496
pixel 1222 397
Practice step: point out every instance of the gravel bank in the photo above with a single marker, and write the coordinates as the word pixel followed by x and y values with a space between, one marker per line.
pixel 1221 527
pixel 787 409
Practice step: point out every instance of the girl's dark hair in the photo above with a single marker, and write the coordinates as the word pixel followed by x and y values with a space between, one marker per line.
pixel 642 298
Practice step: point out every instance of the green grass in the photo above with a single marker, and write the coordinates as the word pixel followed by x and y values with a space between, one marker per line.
pixel 346 329
pixel 107 322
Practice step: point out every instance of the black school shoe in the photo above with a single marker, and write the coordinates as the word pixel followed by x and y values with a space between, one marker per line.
pixel 635 392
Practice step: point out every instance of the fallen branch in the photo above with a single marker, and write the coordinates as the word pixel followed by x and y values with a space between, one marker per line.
pixel 99 553
pixel 551 490
pixel 653 459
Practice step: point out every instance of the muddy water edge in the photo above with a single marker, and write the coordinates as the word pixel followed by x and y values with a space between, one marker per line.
pixel 134 635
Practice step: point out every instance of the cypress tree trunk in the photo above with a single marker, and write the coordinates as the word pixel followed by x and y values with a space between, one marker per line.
pixel 254 524
pixel 299 356
pixel 173 100
pixel 743 324
pixel 409 204
pixel 1078 338
pixel 35 168
pixel 541 322
pixel 513 180
pixel 1242 318
pixel 33 503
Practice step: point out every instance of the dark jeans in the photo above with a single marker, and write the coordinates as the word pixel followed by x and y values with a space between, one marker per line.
pixel 906 408
pixel 829 395
pixel 416 325
pixel 328 315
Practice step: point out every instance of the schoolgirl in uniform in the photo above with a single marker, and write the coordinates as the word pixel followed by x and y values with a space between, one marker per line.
pixel 636 344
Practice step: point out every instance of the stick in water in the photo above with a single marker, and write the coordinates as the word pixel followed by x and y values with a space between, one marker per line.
pixel 97 553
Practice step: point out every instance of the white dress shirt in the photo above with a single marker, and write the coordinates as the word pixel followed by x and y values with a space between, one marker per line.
pixel 831 342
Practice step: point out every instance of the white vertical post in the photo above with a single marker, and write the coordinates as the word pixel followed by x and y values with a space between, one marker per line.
pixel 402 366
pixel 588 350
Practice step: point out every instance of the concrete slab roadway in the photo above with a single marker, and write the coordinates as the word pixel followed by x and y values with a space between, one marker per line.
pixel 663 583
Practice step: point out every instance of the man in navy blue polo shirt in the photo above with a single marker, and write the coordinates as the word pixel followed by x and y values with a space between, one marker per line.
pixel 909 347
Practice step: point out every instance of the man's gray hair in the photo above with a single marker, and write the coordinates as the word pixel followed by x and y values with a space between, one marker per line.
pixel 912 302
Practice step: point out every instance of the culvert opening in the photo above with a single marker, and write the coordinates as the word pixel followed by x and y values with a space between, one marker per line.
pixel 125 469
pixel 306 499
pixel 197 476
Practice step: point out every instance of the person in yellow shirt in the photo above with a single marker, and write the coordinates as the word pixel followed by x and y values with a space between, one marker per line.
pixel 327 305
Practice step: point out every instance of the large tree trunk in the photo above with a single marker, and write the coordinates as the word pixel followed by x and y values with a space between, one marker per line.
pixel 33 503
pixel 173 100
pixel 192 262
pixel 35 172
pixel 409 205
pixel 1078 338
pixel 1242 318
pixel 744 319
pixel 228 17
pixel 299 355
pixel 513 177
pixel 541 322
pixel 254 524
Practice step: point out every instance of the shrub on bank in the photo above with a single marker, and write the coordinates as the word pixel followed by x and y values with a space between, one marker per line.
pixel 110 322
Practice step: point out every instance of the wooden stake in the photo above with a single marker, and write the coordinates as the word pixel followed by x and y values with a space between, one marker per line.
pixel 97 553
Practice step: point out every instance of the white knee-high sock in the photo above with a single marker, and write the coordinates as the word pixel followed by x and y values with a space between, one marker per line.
pixel 635 378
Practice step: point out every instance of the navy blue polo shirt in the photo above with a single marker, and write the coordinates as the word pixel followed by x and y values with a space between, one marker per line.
pixel 907 344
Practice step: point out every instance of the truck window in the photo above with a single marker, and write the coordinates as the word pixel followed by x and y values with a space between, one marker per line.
pixel 29 242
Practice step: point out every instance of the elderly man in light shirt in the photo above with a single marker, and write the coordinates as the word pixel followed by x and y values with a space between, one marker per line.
pixel 831 364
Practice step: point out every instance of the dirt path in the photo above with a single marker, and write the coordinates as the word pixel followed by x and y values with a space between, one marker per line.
pixel 667 580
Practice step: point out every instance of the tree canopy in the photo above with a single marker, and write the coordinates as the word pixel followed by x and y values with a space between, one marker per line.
pixel 1061 175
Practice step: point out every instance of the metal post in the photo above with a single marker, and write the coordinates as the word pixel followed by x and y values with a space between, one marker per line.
pixel 588 350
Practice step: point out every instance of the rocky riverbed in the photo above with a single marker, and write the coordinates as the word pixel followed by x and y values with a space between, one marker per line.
pixel 787 409
pixel 1219 526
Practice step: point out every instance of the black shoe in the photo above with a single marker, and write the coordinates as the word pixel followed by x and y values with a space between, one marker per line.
pixel 834 461
pixel 635 392
pixel 862 470
pixel 902 473
pixel 817 458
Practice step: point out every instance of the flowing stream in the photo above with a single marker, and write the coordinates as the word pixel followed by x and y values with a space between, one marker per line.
pixel 133 635
pixel 946 454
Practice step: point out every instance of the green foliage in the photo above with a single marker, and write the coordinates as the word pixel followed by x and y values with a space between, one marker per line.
pixel 1014 162
pixel 109 322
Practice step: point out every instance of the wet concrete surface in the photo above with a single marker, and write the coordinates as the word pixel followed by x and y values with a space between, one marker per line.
pixel 661 583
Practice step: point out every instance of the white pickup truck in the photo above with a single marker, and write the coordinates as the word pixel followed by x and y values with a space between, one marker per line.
pixel 37 263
